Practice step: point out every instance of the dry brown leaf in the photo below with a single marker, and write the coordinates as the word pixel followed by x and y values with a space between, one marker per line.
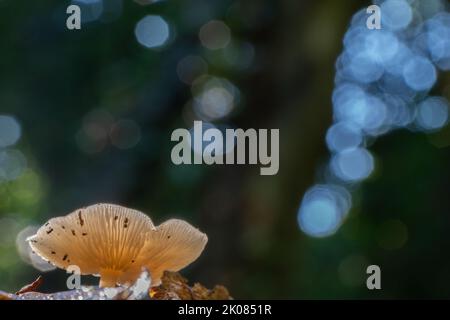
pixel 32 287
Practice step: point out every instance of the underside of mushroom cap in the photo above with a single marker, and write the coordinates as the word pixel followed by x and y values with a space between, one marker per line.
pixel 116 243
pixel 171 246
pixel 97 237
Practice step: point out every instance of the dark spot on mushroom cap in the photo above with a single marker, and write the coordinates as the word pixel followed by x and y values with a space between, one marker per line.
pixel 116 217
pixel 53 252
pixel 132 261
pixel 73 232
pixel 65 257
pixel 63 227
pixel 49 231
pixel 168 237
pixel 84 234
pixel 46 224
pixel 80 218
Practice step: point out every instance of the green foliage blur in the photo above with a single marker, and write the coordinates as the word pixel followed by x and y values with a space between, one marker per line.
pixel 53 81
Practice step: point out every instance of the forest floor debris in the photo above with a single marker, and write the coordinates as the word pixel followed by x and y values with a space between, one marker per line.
pixel 173 287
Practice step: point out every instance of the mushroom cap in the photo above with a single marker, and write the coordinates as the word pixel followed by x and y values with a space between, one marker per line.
pixel 117 242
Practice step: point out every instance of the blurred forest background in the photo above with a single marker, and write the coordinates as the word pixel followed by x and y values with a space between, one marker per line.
pixel 89 114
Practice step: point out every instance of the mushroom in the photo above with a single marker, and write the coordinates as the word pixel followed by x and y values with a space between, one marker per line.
pixel 116 243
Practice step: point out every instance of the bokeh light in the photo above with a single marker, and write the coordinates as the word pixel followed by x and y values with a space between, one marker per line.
pixel 152 31
pixel 396 14
pixel 342 136
pixel 381 46
pixel 323 209
pixel 214 98
pixel 353 164
pixel 215 35
pixel 432 113
pixel 367 112
pixel 382 81
pixel 419 73
pixel 10 131
pixel 12 164
pixel 362 68
pixel 438 39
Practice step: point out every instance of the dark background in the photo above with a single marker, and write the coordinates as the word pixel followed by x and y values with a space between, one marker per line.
pixel 52 79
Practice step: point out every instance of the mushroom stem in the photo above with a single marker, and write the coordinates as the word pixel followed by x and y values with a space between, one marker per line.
pixel 109 278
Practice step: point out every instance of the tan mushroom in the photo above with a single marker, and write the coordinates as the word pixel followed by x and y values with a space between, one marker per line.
pixel 116 243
